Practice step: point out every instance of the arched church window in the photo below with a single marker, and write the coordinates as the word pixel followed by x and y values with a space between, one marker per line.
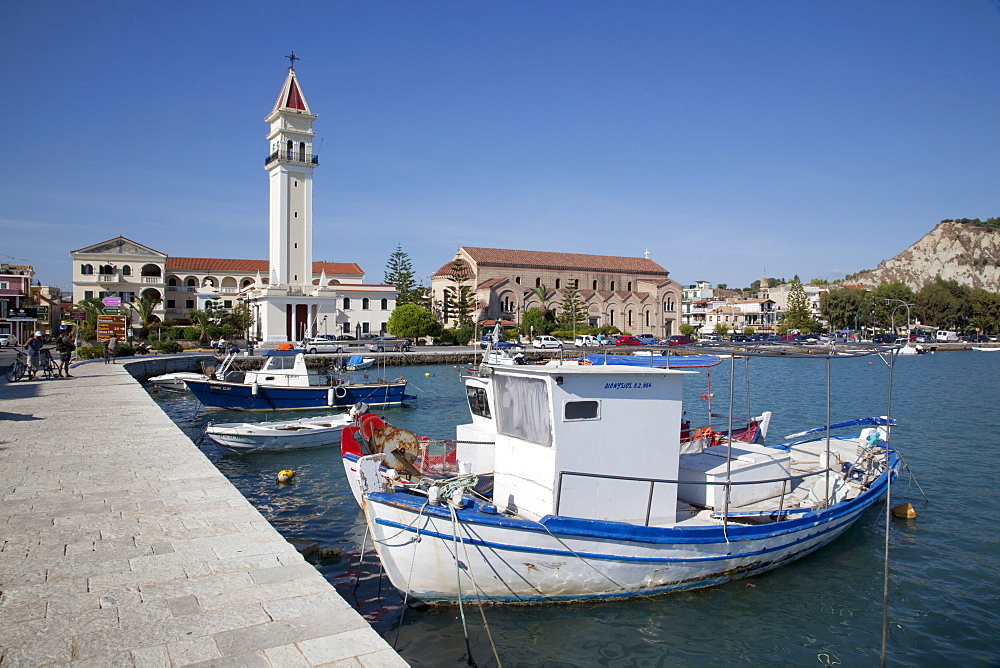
pixel 347 302
pixel 302 151
pixel 612 286
pixel 595 286
pixel 629 286
pixel 291 150
pixel 557 284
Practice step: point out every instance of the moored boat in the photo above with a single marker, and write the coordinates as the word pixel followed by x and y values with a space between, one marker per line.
pixel 595 495
pixel 240 438
pixel 286 383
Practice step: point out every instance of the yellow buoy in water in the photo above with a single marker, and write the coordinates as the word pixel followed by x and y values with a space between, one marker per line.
pixel 904 511
pixel 286 475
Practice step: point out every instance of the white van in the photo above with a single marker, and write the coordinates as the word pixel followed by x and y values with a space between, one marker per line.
pixel 946 336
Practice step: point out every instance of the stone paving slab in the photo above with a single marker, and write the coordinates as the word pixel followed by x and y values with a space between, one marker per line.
pixel 121 544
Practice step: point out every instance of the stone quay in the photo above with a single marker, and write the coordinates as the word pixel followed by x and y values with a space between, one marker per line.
pixel 121 544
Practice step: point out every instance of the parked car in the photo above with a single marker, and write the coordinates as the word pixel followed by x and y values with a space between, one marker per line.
pixel 627 341
pixel 546 341
pixel 585 341
pixel 379 344
pixel 6 340
pixel 884 338
pixel 646 339
pixel 680 340
pixel 324 343
pixel 609 339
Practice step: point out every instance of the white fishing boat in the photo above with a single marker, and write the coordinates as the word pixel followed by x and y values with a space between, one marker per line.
pixel 240 438
pixel 986 350
pixel 574 482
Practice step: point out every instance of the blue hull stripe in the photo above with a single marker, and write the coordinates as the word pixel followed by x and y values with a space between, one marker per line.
pixel 239 396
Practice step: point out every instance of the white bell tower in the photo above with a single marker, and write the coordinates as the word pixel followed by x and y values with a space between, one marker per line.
pixel 290 162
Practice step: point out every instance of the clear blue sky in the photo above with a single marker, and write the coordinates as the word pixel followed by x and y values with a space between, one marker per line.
pixel 727 137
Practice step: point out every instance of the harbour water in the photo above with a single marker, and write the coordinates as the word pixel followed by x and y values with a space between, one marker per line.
pixel 944 588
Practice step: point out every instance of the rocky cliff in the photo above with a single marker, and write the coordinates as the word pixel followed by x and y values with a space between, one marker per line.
pixel 961 250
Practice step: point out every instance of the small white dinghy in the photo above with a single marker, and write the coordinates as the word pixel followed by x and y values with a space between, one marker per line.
pixel 175 381
pixel 240 438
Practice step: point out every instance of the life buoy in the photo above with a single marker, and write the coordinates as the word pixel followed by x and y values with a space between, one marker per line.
pixel 340 392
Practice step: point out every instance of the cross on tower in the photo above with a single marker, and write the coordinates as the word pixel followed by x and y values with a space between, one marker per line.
pixel 646 253
pixel 291 60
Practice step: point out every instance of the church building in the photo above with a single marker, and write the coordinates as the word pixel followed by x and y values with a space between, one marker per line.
pixel 291 296
pixel 634 294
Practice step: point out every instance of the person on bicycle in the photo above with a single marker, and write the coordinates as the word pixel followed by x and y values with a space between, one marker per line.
pixel 34 348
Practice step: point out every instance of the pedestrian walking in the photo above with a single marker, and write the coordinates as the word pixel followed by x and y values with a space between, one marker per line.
pixel 65 348
pixel 111 350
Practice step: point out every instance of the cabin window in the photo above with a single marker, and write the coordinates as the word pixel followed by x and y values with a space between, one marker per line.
pixel 282 362
pixel 478 403
pixel 581 410
pixel 523 408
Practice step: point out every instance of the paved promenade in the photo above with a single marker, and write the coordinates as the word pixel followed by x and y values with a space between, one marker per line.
pixel 122 545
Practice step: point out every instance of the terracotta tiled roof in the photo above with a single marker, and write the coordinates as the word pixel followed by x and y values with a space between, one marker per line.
pixel 445 269
pixel 503 257
pixel 252 266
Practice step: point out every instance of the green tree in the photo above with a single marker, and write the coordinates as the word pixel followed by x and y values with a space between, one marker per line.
pixel 535 322
pixel 144 307
pixel 239 319
pixel 881 308
pixel 201 320
pixel 399 272
pixel 945 304
pixel 722 329
pixel 798 315
pixel 845 308
pixel 688 330
pixel 459 300
pixel 572 312
pixel 542 293
pixel 986 305
pixel 411 321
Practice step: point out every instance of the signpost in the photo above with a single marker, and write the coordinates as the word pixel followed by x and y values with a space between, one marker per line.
pixel 110 324
pixel 23 314
pixel 77 315
pixel 112 301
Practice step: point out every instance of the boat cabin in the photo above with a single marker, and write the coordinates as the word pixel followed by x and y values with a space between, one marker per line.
pixel 286 368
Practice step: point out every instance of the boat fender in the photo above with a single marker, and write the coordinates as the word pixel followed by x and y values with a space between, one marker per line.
pixel 254 387
pixel 329 397
pixel 341 392
pixel 285 475
pixel 434 496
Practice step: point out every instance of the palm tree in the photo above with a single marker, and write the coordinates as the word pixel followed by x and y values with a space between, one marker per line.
pixel 144 307
pixel 542 293
pixel 201 320
pixel 93 307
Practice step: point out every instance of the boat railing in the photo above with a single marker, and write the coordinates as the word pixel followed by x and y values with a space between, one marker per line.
pixel 786 487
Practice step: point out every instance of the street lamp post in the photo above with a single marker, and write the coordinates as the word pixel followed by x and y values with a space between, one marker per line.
pixel 892 316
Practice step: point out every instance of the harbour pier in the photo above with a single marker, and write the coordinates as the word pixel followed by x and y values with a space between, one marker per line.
pixel 122 544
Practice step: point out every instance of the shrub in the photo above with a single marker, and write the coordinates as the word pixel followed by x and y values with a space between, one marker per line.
pixel 167 347
pixel 89 352
pixel 192 333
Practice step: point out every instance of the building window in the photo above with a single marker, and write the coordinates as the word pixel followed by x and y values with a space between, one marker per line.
pixel 170 303
pixel 383 326
pixel 517 279
pixel 88 294
pixel 612 286
pixel 364 304
pixel 172 282
pixel 630 317
pixel 595 286
pixel 291 150
pixel 538 282
pixel 557 284
pixel 630 286
pixel 227 303
pixel 189 303
pixel 347 303
pixel 346 328
pixel 87 269
pixel 126 270
pixel 385 304
pixel 364 328
pixel 191 283
pixel 611 318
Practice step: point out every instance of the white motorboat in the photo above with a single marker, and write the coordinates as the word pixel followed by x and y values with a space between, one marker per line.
pixel 986 350
pixel 240 438
pixel 177 380
pixel 595 493
pixel 357 362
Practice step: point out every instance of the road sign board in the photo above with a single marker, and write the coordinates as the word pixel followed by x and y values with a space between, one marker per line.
pixel 112 301
pixel 111 310
pixel 110 324
pixel 77 315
